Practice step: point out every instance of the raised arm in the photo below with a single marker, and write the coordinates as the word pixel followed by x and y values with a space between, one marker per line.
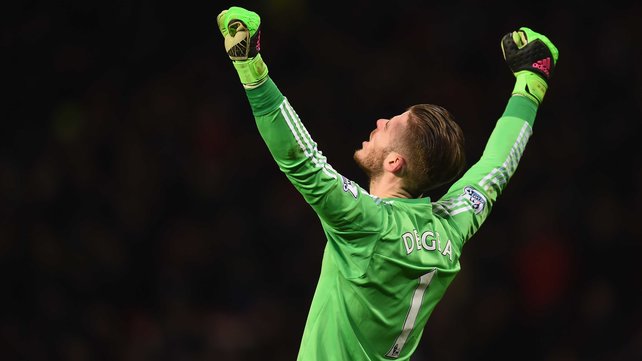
pixel 339 203
pixel 531 57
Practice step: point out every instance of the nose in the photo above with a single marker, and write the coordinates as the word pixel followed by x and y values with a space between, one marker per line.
pixel 380 124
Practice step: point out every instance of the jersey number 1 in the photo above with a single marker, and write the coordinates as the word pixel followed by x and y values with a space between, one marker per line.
pixel 409 323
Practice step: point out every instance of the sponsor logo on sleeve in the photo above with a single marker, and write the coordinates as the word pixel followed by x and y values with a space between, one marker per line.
pixel 477 200
pixel 350 186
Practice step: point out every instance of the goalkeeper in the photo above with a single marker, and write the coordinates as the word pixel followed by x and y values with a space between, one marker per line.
pixel 391 251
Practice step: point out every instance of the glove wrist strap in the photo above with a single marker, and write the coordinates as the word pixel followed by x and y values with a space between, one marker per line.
pixel 530 85
pixel 252 72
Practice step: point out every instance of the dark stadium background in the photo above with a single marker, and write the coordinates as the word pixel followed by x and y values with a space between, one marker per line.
pixel 142 218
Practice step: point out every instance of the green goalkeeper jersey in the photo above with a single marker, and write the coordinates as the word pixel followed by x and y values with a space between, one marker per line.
pixel 387 262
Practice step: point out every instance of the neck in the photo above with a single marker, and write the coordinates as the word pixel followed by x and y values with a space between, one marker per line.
pixel 388 186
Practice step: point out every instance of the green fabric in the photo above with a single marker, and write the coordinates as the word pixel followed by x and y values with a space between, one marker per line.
pixel 265 98
pixel 522 108
pixel 387 262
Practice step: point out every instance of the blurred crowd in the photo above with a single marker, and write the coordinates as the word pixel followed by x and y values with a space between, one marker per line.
pixel 142 217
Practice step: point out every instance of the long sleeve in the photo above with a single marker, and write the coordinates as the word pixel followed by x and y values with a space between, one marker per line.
pixel 340 203
pixel 468 202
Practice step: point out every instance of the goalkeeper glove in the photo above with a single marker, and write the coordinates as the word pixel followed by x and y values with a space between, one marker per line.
pixel 241 29
pixel 531 57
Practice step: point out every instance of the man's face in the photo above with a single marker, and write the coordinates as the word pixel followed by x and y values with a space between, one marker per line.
pixel 383 139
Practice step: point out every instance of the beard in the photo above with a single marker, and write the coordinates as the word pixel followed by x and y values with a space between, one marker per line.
pixel 370 161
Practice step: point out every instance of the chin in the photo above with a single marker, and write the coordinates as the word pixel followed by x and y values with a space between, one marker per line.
pixel 358 155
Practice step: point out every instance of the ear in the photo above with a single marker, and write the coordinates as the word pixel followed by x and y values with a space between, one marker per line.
pixel 394 163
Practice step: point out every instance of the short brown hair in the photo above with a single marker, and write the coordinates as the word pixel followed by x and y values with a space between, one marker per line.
pixel 434 148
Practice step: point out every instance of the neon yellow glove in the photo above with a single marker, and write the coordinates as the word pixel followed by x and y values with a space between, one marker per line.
pixel 241 29
pixel 531 57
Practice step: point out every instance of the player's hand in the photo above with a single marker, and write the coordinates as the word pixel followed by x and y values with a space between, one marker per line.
pixel 241 29
pixel 532 58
